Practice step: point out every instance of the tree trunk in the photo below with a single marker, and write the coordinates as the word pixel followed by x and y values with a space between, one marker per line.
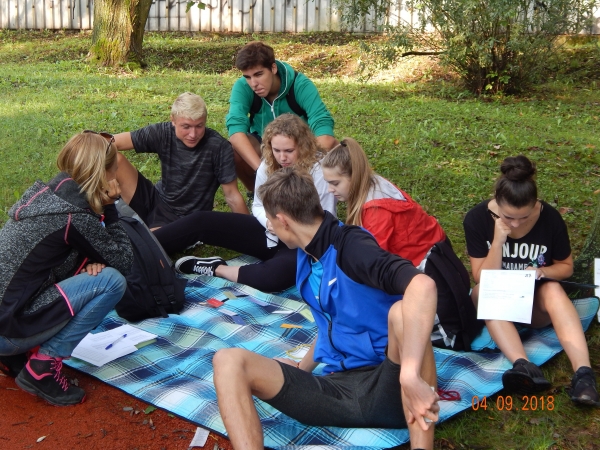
pixel 583 270
pixel 119 32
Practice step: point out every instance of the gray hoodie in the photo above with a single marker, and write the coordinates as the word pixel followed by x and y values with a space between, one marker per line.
pixel 50 236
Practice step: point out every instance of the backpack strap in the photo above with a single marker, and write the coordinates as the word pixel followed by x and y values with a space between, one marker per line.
pixel 152 265
pixel 290 97
pixel 448 263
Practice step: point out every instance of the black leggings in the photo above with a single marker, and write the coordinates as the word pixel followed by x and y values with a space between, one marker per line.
pixel 242 233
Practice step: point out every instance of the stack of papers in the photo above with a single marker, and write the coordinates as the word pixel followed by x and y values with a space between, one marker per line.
pixel 101 348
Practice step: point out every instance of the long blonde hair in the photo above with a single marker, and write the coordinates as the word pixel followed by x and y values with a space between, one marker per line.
pixel 293 127
pixel 86 158
pixel 349 159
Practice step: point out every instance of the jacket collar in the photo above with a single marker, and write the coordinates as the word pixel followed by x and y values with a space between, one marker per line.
pixel 324 236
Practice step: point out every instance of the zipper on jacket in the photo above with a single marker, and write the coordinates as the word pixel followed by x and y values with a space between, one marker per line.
pixel 329 322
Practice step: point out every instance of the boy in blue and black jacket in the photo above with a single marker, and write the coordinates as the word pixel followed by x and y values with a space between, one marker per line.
pixel 371 342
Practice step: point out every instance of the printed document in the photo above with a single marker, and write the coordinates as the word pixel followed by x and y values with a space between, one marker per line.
pixel 506 295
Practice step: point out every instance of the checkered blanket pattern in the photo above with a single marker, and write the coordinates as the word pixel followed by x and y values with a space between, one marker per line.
pixel 175 373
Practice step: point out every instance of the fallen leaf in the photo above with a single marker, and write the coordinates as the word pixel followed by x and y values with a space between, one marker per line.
pixel 588 203
pixel 492 153
pixel 149 409
pixel 40 439
pixel 127 408
pixel 590 146
pixel 396 141
pixel 565 210
pixel 497 146
pixel 597 191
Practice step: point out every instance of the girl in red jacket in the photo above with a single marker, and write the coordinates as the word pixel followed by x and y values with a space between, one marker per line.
pixel 397 222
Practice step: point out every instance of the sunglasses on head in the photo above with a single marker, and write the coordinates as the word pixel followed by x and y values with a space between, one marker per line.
pixel 109 137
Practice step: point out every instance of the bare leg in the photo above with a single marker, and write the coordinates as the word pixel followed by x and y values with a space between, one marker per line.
pixel 504 334
pixel 244 172
pixel 418 437
pixel 551 305
pixel 228 272
pixel 238 375
pixel 127 176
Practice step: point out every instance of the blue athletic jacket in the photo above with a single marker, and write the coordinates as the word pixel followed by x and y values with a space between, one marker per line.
pixel 360 283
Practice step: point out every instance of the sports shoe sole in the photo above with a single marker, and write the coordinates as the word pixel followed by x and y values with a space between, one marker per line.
pixel 584 401
pixel 180 261
pixel 522 383
pixel 30 389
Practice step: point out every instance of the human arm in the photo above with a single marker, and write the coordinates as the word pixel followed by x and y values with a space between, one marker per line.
pixel 258 210
pixel 233 198
pixel 123 141
pixel 417 366
pixel 559 270
pixel 108 244
pixel 327 142
pixel 326 198
pixel 307 363
pixel 318 116
pixel 242 145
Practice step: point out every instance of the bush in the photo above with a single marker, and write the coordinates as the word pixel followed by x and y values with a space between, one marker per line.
pixel 494 45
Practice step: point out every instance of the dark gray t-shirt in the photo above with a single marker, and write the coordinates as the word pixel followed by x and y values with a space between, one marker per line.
pixel 190 177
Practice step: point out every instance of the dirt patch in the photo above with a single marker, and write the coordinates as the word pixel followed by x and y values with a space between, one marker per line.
pixel 104 421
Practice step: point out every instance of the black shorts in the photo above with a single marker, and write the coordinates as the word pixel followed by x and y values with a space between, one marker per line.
pixel 367 397
pixel 150 206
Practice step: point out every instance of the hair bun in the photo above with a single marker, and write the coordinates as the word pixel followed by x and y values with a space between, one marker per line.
pixel 518 168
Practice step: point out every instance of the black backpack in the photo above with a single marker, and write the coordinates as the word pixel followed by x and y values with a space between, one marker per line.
pixel 456 322
pixel 290 97
pixel 153 289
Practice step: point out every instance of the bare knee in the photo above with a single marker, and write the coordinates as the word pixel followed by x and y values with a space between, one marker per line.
pixel 228 361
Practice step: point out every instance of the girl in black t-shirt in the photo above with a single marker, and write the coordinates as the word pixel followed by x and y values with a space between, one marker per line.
pixel 516 231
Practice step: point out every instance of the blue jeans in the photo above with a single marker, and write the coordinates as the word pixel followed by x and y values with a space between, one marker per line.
pixel 91 297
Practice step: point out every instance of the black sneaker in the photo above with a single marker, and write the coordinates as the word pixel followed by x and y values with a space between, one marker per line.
pixel 191 265
pixel 42 376
pixel 525 378
pixel 13 364
pixel 583 387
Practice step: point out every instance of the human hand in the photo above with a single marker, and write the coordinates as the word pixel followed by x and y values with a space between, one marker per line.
pixel 539 273
pixel 421 402
pixel 93 268
pixel 270 226
pixel 501 231
pixel 113 192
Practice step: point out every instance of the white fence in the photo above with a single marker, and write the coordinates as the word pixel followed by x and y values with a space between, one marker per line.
pixel 219 15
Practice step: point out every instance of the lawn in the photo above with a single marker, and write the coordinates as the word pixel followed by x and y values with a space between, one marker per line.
pixel 418 126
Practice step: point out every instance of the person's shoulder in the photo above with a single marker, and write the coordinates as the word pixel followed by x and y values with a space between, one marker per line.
pixel 550 213
pixel 478 210
pixel 213 138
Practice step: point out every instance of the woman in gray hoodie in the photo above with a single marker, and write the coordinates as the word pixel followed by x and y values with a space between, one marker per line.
pixel 63 257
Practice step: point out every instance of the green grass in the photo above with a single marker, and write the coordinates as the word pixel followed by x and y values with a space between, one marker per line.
pixel 422 131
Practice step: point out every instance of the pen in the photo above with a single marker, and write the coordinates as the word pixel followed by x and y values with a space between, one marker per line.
pixel 117 340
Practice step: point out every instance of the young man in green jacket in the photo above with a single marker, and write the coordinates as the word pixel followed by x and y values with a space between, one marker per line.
pixel 267 89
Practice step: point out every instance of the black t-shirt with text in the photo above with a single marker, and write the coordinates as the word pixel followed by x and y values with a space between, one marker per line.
pixel 548 240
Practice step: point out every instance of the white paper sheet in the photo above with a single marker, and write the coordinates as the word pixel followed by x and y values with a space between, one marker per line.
pixel 92 348
pixel 199 439
pixel 506 295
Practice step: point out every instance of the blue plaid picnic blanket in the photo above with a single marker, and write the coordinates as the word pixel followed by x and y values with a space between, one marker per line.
pixel 175 373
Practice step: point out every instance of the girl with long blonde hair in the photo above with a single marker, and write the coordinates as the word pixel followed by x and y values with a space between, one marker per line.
pixel 63 257
pixel 397 222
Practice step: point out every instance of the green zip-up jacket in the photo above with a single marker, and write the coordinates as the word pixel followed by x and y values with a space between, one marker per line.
pixel 307 96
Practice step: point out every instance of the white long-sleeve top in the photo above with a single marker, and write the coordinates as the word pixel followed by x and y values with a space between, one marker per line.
pixel 328 201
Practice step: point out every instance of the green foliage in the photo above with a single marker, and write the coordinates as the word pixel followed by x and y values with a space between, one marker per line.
pixel 493 45
pixel 191 3
pixel 431 138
